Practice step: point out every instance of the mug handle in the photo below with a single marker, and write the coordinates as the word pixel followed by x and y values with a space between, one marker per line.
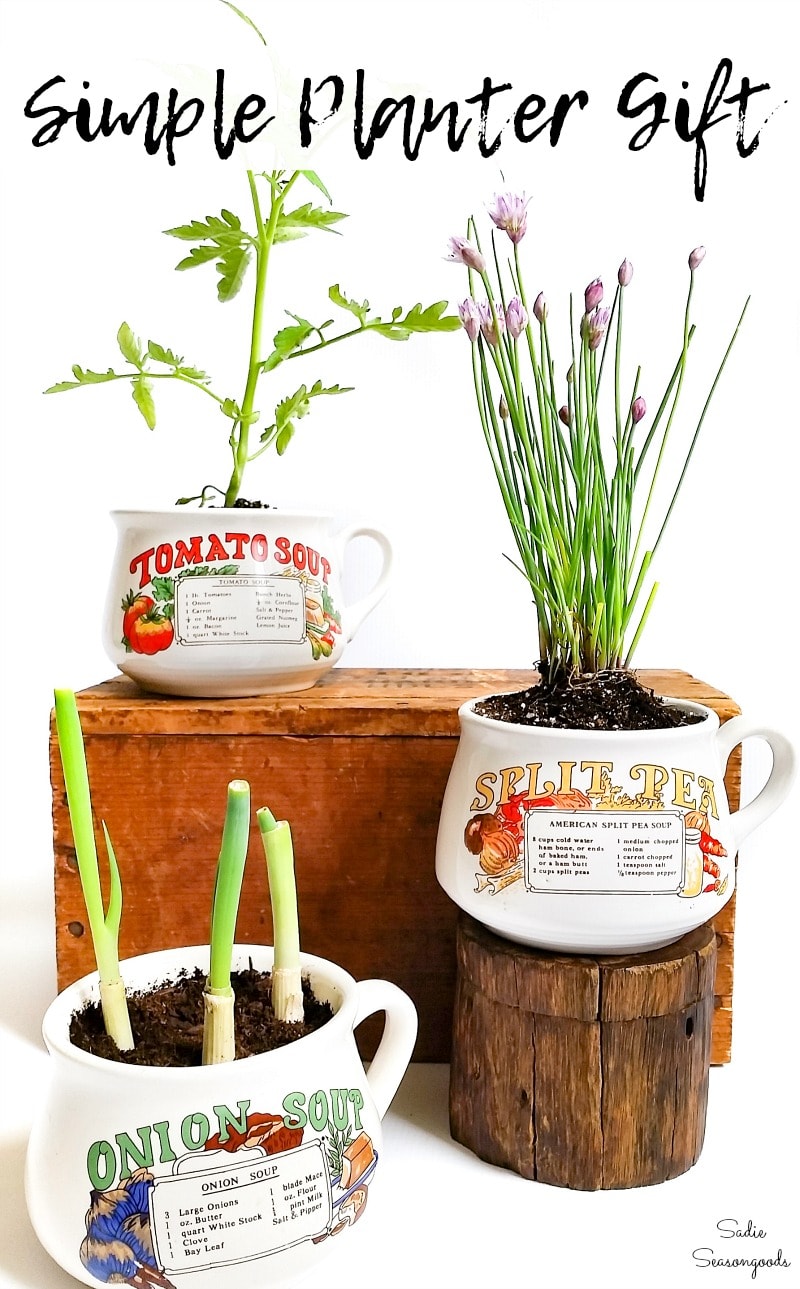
pixel 390 1062
pixel 354 614
pixel 736 730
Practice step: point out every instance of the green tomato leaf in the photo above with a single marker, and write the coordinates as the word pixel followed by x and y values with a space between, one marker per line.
pixel 62 385
pixel 284 438
pixel 294 408
pixel 313 178
pixel 162 355
pixel 359 311
pixel 88 377
pixel 417 320
pixel 232 267
pixel 197 231
pixel 144 400
pixel 283 234
pixel 308 216
pixel 286 341
pixel 230 408
pixel 197 255
pixel 194 373
pixel 130 346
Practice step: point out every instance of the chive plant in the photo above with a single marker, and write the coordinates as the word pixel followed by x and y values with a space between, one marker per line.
pixel 578 483
pixel 103 924
pixel 218 997
pixel 287 989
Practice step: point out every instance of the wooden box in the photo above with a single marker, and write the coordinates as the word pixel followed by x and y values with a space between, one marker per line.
pixel 359 766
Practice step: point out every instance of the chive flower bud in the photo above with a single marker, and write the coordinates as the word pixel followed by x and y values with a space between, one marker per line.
pixel 593 295
pixel 571 374
pixel 594 326
pixel 503 408
pixel 491 331
pixel 463 252
pixel 470 318
pixel 697 256
pixel 638 409
pixel 540 307
pixel 516 317
pixel 509 213
pixel 563 415
pixel 625 273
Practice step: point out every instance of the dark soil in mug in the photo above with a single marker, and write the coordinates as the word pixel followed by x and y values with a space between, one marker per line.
pixel 604 700
pixel 167 1021
pixel 241 503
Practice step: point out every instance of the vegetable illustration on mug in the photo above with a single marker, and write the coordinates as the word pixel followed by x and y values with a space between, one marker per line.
pixel 601 840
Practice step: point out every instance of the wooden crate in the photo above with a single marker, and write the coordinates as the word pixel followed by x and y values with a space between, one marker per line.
pixel 359 765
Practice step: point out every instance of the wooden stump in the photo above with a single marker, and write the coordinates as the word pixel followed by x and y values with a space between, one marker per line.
pixel 585 1072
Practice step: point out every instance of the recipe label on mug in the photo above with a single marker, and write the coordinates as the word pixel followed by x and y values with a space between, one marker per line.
pixel 240 1211
pixel 239 610
pixel 604 852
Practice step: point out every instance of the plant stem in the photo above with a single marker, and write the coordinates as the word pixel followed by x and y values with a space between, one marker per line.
pixel 287 989
pixel 218 999
pixel 159 375
pixel 264 241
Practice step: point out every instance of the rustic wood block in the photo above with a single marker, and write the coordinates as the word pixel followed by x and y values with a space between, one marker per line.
pixel 359 764
pixel 607 1100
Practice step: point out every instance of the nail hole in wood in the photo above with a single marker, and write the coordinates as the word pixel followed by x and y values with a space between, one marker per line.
pixel 689 1026
pixel 76 929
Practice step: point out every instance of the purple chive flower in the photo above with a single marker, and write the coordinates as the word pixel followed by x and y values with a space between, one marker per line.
pixel 593 294
pixel 540 307
pixel 470 317
pixel 509 213
pixel 463 252
pixel 594 326
pixel 697 256
pixel 516 317
pixel 625 273
pixel 563 415
pixel 638 409
pixel 491 332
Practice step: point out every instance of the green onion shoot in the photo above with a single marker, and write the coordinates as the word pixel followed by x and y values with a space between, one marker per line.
pixel 218 1028
pixel 104 926
pixel 287 988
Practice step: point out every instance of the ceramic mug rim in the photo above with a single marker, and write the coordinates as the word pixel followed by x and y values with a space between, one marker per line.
pixel 674 733
pixel 55 1023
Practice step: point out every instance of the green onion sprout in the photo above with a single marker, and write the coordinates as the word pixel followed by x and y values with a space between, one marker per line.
pixel 218 998
pixel 104 926
pixel 287 988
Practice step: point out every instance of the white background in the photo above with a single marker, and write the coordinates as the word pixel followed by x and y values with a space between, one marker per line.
pixel 82 250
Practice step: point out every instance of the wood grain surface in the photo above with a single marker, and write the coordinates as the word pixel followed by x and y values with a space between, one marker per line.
pixel 589 1073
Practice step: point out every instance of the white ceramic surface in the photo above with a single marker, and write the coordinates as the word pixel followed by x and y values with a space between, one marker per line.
pixel 228 603
pixel 124 1174
pixel 590 842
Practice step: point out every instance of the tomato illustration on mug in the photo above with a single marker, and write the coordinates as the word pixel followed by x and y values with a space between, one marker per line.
pixel 146 625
